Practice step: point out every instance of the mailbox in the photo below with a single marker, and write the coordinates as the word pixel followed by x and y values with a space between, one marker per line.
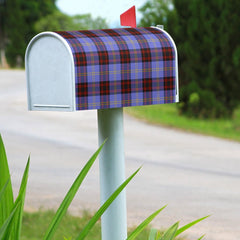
pixel 98 69
pixel 107 70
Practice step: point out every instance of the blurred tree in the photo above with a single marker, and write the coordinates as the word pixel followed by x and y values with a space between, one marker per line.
pixel 54 22
pixel 157 12
pixel 2 33
pixel 86 21
pixel 58 21
pixel 20 20
pixel 209 50
pixel 18 25
pixel 14 33
pixel 207 35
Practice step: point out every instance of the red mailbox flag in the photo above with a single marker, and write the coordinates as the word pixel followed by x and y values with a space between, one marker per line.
pixel 128 18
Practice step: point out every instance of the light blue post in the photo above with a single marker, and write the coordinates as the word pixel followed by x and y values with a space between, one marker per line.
pixel 112 172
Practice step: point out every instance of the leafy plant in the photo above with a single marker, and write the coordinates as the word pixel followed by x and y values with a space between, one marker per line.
pixel 173 231
pixel 11 212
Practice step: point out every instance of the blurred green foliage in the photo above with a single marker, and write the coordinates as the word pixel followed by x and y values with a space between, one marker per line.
pixel 207 35
pixel 58 21
pixel 20 20
pixel 20 17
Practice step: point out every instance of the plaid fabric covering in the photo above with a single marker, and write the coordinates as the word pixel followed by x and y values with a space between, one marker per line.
pixel 122 67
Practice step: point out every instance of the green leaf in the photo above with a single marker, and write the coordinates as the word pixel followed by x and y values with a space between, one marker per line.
pixel 6 227
pixel 201 237
pixel 103 208
pixel 67 238
pixel 158 235
pixel 6 203
pixel 153 234
pixel 2 192
pixel 184 228
pixel 144 224
pixel 170 233
pixel 70 195
pixel 17 221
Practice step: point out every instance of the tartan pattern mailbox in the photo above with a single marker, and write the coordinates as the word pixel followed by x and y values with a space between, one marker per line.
pixel 98 69
pixel 106 70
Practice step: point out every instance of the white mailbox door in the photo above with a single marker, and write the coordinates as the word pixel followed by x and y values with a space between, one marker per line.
pixel 50 74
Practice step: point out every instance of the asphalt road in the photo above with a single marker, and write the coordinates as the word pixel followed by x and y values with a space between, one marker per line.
pixel 195 175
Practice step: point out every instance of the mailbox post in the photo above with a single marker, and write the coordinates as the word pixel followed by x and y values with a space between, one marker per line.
pixel 112 172
pixel 104 70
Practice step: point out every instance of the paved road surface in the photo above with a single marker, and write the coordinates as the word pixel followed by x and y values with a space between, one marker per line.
pixel 195 175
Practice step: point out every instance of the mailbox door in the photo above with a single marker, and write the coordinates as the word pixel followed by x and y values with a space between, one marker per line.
pixel 50 74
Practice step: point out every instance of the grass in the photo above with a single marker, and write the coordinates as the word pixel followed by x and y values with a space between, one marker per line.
pixel 167 115
pixel 35 225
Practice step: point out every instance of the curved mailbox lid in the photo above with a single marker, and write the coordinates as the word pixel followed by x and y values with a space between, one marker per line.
pixel 118 67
